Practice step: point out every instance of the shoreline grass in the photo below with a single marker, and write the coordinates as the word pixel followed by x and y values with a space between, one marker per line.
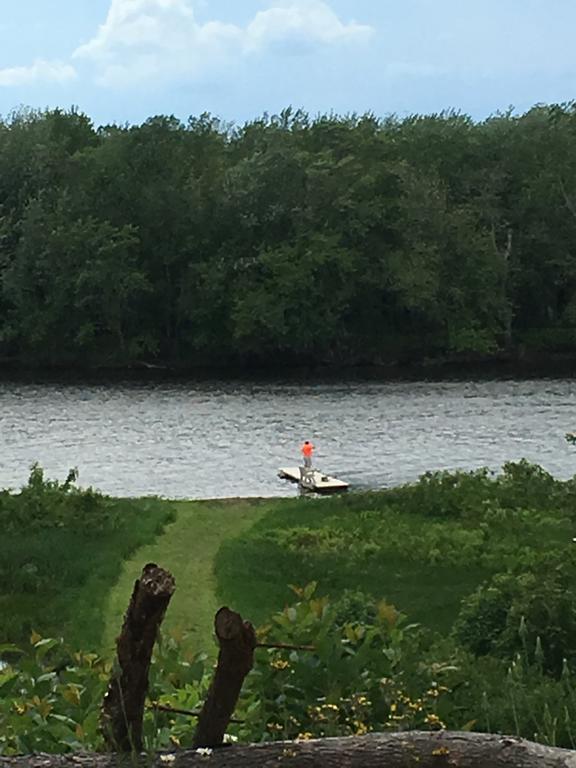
pixel 423 547
pixel 187 548
pixel 61 552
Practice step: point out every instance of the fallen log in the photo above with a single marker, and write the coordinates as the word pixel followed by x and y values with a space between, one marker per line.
pixel 397 750
pixel 123 706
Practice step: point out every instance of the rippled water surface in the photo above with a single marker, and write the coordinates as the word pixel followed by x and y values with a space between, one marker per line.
pixel 200 440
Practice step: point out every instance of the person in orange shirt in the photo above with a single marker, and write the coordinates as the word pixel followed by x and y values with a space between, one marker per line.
pixel 307 450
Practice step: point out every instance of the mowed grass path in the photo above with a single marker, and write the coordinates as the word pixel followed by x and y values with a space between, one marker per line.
pixel 187 548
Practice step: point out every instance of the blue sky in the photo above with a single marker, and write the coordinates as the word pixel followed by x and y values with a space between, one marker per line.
pixel 125 60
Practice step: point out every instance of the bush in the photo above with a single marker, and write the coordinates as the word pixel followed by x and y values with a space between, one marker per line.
pixel 50 698
pixel 61 547
pixel 515 698
pixel 343 675
pixel 530 613
pixel 358 677
pixel 447 494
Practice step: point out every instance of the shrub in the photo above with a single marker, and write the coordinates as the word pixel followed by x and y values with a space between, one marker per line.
pixel 61 546
pixel 532 613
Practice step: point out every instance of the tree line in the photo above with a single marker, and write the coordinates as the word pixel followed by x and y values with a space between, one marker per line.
pixel 290 239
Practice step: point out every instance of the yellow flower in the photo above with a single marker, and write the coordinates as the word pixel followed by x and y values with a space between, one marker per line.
pixel 279 664
pixel 434 720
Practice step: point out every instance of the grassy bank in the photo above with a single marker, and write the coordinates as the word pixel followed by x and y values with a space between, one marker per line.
pixel 424 547
pixel 70 558
pixel 482 568
pixel 188 548
pixel 61 551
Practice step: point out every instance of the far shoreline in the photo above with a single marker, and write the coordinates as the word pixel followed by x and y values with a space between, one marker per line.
pixel 474 369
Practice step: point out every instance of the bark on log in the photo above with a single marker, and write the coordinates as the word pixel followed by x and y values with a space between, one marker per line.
pixel 123 706
pixel 399 750
pixel 237 641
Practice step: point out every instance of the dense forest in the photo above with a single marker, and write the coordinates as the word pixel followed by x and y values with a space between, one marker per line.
pixel 343 240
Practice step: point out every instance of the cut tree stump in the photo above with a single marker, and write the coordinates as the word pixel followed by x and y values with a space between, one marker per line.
pixel 397 750
pixel 237 641
pixel 123 706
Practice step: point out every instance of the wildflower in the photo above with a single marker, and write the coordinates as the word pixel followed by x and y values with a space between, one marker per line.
pixel 279 664
pixel 294 720
pixel 434 720
pixel 167 758
pixel 305 736
pixel 204 751
pixel 229 738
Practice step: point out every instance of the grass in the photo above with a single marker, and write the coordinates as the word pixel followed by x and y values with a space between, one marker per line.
pixel 424 547
pixel 69 559
pixel 255 571
pixel 55 579
pixel 187 548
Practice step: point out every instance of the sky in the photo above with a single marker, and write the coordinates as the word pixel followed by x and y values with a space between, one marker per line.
pixel 122 61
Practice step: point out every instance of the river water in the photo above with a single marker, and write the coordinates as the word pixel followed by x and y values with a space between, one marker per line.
pixel 216 439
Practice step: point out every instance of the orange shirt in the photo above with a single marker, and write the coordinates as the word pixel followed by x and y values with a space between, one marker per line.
pixel 307 449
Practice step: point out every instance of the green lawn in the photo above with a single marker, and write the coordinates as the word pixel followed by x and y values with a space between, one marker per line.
pixel 60 554
pixel 424 547
pixel 296 543
pixel 69 559
pixel 187 548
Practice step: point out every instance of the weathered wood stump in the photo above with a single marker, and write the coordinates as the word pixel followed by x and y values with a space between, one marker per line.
pixel 123 706
pixel 237 641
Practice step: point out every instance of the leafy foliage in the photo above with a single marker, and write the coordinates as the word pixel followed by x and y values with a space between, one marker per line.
pixel 356 680
pixel 449 532
pixel 483 562
pixel 287 239
pixel 50 698
pixel 61 547
pixel 531 613
pixel 347 673
pixel 352 682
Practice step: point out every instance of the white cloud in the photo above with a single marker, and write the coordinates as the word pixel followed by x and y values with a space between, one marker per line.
pixel 39 72
pixel 146 40
pixel 309 20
